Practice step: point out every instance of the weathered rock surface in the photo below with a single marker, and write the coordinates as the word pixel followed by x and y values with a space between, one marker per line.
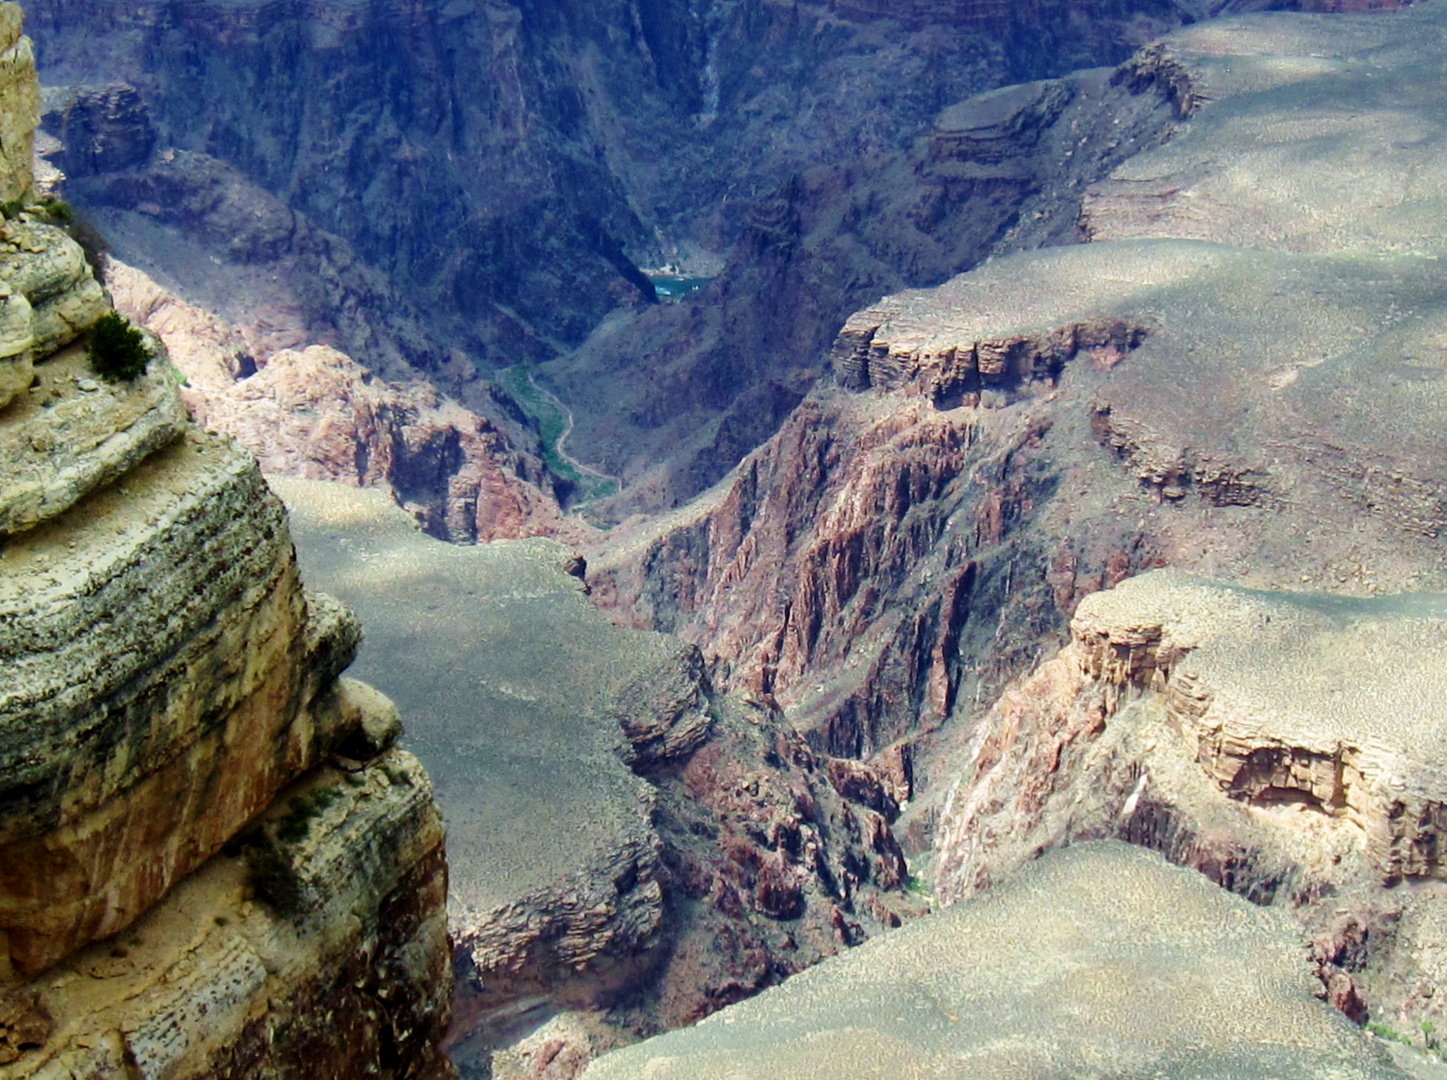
pixel 21 91
pixel 49 269
pixel 344 976
pixel 318 414
pixel 48 295
pixel 722 861
pixel 60 442
pixel 1286 745
pixel 165 684
pixel 159 692
pixel 166 678
pixel 1101 958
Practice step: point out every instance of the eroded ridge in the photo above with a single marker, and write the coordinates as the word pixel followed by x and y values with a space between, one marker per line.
pixel 1335 705
pixel 1092 957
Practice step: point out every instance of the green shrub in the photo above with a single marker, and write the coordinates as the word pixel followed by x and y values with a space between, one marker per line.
pixel 117 349
pixel 295 825
pixel 58 212
pixel 12 209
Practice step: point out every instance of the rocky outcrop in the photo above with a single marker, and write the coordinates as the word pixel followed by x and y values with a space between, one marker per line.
pixel 21 92
pixel 1093 957
pixel 49 297
pixel 105 129
pixel 316 413
pixel 218 982
pixel 625 840
pixel 213 861
pixel 1281 744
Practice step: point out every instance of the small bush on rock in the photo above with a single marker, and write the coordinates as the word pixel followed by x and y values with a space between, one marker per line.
pixel 58 212
pixel 117 349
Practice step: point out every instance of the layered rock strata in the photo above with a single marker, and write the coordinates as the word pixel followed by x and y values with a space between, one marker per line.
pixel 1286 745
pixel 991 450
pixel 49 298
pixel 213 859
pixel 1100 958
pixel 21 91
pixel 624 839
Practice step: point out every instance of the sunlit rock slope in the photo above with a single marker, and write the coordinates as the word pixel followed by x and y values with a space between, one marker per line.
pixel 1049 975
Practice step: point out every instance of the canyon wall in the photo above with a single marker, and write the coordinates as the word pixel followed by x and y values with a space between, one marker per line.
pixel 1284 745
pixel 213 859
pixel 988 451
pixel 631 848
pixel 1238 374
pixel 484 183
pixel 598 124
pixel 315 412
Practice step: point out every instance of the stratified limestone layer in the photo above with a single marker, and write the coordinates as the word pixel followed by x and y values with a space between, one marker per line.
pixel 48 298
pixel 60 441
pixel 50 269
pixel 1097 960
pixel 19 105
pixel 1337 704
pixel 337 968
pixel 161 668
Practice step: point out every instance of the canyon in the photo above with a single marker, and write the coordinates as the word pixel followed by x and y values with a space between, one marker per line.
pixel 1041 489
pixel 1234 375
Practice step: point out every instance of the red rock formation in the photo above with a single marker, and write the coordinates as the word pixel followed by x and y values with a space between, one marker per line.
pixel 841 566
pixel 318 414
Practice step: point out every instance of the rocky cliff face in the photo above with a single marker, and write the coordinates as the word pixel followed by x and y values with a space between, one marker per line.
pixel 1221 727
pixel 992 174
pixel 17 75
pixel 611 136
pixel 990 450
pixel 1237 375
pixel 631 849
pixel 182 772
pixel 573 109
pixel 316 413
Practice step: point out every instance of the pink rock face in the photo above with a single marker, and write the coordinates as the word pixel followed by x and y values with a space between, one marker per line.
pixel 316 413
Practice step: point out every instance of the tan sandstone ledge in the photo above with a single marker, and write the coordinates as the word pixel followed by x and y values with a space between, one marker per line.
pixel 323 953
pixel 167 677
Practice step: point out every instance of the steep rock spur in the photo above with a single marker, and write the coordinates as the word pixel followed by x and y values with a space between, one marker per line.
pixel 214 861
